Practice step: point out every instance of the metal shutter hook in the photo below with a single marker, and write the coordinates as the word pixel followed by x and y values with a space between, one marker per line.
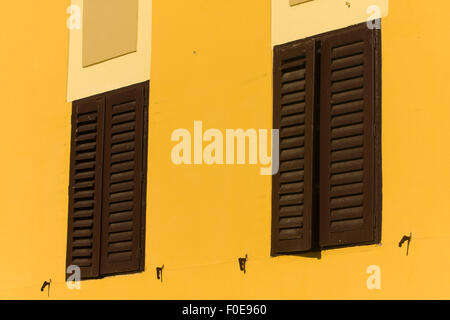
pixel 406 239
pixel 46 284
pixel 242 262
pixel 159 271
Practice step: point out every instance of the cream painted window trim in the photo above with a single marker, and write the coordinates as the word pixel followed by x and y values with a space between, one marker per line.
pixel 290 23
pixel 112 74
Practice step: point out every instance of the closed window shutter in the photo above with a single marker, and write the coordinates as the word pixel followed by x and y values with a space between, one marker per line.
pixel 122 221
pixel 85 186
pixel 348 138
pixel 292 187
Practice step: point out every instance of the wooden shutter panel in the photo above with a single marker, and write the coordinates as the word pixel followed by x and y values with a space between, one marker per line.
pixel 349 138
pixel 85 186
pixel 123 176
pixel 292 187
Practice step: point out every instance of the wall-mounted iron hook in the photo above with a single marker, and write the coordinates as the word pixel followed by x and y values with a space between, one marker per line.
pixel 405 239
pixel 242 262
pixel 46 284
pixel 159 273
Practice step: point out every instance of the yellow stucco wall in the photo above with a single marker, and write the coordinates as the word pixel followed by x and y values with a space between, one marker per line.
pixel 211 61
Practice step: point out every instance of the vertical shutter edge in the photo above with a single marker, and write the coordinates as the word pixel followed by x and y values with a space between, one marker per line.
pixel 298 57
pixel 339 38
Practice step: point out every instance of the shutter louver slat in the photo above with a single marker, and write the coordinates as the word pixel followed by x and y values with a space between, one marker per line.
pixel 292 187
pixel 347 140
pixel 122 190
pixel 85 187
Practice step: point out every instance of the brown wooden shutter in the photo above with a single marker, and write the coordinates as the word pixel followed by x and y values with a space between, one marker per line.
pixel 349 159
pixel 292 187
pixel 85 186
pixel 123 177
